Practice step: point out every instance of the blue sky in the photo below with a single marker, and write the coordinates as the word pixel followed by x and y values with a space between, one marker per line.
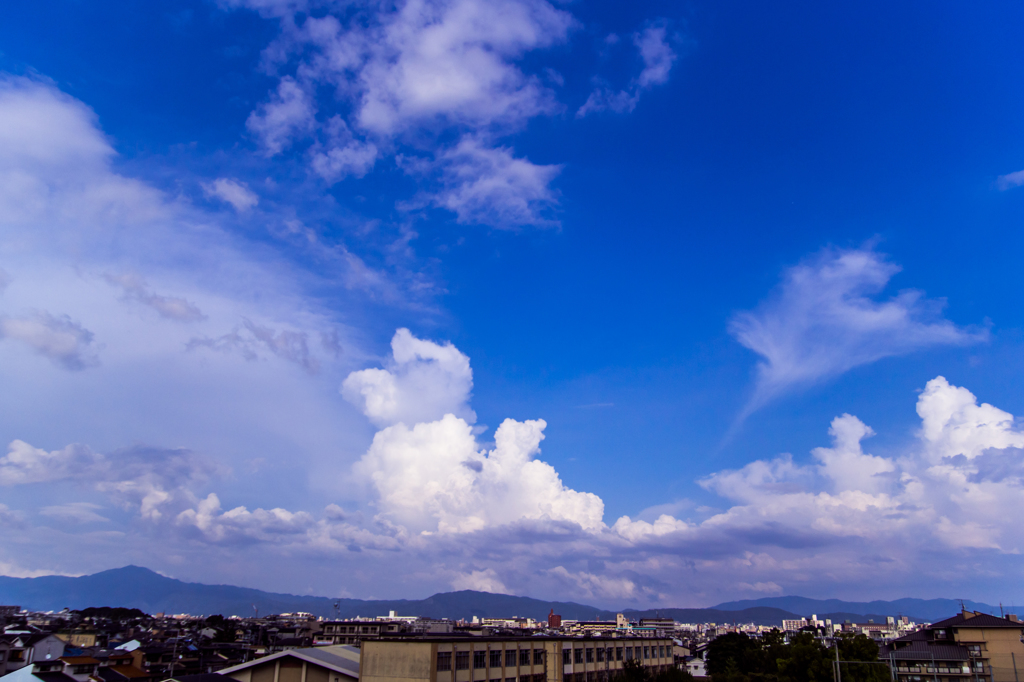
pixel 275 273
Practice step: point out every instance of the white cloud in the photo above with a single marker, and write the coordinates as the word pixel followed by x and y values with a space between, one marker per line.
pixel 74 512
pixel 141 478
pixel 343 154
pixel 170 307
pixel 1010 180
pixel 25 464
pixel 594 585
pixel 822 321
pixel 490 186
pixel 232 191
pixel 59 339
pixel 288 115
pixel 423 382
pixel 241 524
pixel 403 76
pixel 656 53
pixel 433 476
pixel 657 56
pixel 486 580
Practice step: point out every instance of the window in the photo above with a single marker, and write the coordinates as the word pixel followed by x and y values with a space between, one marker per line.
pixel 444 660
pixel 618 653
pixel 600 655
pixel 629 653
pixel 566 658
pixel 538 657
pixel 496 661
pixel 577 655
pixel 590 655
pixel 661 651
pixel 479 660
pixel 524 657
pixel 510 679
pixel 462 660
pixel 510 659
pixel 611 654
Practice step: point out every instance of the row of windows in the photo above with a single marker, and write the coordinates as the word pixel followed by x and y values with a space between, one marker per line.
pixel 603 675
pixel 365 629
pixel 613 654
pixel 490 659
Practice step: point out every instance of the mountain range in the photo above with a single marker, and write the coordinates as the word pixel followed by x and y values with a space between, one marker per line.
pixel 141 588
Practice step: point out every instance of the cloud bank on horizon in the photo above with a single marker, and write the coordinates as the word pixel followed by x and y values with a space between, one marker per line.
pixel 196 371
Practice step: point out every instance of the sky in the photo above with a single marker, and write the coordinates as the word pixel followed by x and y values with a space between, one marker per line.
pixel 631 304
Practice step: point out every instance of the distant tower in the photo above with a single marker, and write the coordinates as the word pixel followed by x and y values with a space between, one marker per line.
pixel 554 620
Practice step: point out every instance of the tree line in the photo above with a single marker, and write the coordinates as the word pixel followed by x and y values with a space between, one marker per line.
pixel 736 657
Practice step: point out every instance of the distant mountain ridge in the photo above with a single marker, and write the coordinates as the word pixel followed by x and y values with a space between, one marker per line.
pixel 923 609
pixel 141 588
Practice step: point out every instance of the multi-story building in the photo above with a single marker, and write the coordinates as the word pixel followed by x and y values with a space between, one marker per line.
pixel 969 646
pixel 516 659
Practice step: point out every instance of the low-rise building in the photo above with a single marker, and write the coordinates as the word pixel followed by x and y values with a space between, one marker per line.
pixel 509 659
pixel 316 664
pixel 970 645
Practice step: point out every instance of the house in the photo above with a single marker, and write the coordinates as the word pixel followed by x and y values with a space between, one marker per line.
pixel 337 663
pixel 970 645
pixel 22 648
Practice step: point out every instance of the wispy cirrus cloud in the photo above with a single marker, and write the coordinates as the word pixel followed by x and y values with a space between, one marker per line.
pixel 823 320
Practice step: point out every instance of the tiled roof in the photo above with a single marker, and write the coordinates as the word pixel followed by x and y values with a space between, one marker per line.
pixel 921 651
pixel 79 660
pixel 977 620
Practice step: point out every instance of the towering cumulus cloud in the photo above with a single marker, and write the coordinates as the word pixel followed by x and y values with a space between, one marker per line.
pixel 428 469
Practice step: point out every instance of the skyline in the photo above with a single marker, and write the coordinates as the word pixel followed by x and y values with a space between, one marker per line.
pixel 660 305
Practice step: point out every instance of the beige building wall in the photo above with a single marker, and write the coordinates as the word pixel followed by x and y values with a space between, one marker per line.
pixel 288 669
pixel 1000 648
pixel 416 661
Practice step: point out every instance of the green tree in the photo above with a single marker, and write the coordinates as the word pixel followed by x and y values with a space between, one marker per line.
pixel 806 660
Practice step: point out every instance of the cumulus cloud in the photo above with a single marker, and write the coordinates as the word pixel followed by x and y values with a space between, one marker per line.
pixel 405 74
pixel 233 192
pixel 59 339
pixel 430 473
pixel 656 54
pixel 142 478
pixel 240 524
pixel 486 580
pixel 25 464
pixel 170 307
pixel 423 381
pixel 822 321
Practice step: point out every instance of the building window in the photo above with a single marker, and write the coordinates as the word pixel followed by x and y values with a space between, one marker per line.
pixel 567 658
pixel 538 657
pixel 524 657
pixel 444 660
pixel 479 660
pixel 618 653
pixel 647 652
pixel 462 660
pixel 661 652
pixel 496 661
pixel 611 654
pixel 510 659
pixel 510 679
pixel 600 655
pixel 629 653
pixel 577 655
